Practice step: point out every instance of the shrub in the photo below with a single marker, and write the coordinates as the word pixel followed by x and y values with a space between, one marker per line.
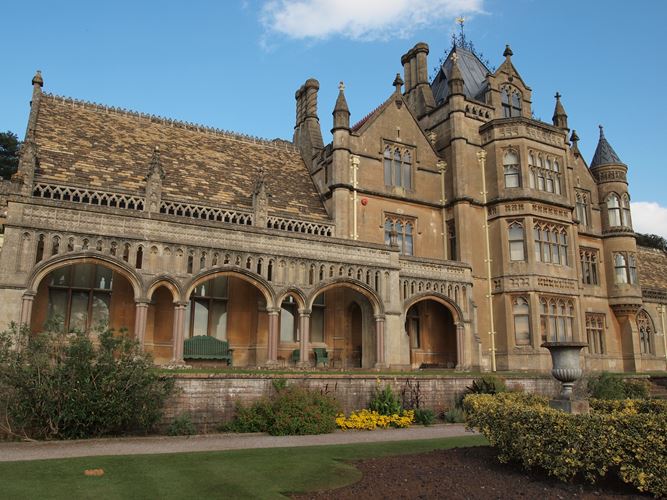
pixel 292 410
pixel 454 416
pixel 64 386
pixel 384 401
pixel 608 386
pixel 486 384
pixel 182 426
pixel 625 438
pixel 370 420
pixel 424 416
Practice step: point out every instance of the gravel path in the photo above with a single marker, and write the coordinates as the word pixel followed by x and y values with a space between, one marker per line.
pixel 10 452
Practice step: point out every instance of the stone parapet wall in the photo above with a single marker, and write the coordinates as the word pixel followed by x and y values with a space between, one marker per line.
pixel 210 399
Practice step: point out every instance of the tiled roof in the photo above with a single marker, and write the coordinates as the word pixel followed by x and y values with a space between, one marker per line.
pixel 604 153
pixel 89 145
pixel 652 269
pixel 473 72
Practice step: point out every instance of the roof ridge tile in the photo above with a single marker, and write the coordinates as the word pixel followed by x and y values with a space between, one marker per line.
pixel 272 143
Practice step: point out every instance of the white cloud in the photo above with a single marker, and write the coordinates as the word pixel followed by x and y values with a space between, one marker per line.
pixel 359 19
pixel 649 217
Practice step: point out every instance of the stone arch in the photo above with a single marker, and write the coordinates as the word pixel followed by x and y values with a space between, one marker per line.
pixel 259 282
pixel 362 288
pixel 433 331
pixel 167 281
pixel 296 293
pixel 454 308
pixel 56 262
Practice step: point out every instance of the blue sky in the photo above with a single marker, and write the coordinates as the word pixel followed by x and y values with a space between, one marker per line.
pixel 236 65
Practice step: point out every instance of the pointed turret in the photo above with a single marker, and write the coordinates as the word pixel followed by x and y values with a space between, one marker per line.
pixel 559 118
pixel 604 153
pixel 341 112
pixel 456 82
pixel 574 139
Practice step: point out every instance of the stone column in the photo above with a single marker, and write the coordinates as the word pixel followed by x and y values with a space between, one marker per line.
pixel 304 341
pixel 460 347
pixel 140 315
pixel 379 342
pixel 178 335
pixel 26 308
pixel 274 331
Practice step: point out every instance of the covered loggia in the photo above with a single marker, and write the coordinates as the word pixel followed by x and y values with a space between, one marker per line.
pixel 432 332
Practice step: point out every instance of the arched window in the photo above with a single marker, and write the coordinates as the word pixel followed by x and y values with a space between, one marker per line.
pixel 620 267
pixel 517 242
pixel 397 168
pixel 206 313
pixel 551 243
pixel 80 296
pixel 521 313
pixel 625 211
pixel 407 170
pixel 387 166
pixel 512 169
pixel 404 233
pixel 511 102
pixel 614 210
pixel 646 332
pixel 625 268
pixel 595 333
pixel 407 242
pixel 589 266
pixel 582 208
pixel 556 319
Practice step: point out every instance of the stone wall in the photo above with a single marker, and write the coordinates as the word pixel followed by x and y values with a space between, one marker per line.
pixel 210 398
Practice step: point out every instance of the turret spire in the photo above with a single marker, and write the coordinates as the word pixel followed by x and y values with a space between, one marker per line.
pixel 604 153
pixel 560 117
pixel 341 112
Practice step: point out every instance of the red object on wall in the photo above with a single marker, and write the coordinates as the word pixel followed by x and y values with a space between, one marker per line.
pixel 364 201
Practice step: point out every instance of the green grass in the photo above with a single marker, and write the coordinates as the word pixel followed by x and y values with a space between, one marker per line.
pixel 260 473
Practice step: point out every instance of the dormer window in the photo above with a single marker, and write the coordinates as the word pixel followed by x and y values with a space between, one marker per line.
pixel 397 166
pixel 511 102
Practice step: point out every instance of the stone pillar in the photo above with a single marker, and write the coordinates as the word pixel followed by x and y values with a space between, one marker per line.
pixel 379 342
pixel 304 341
pixel 274 332
pixel 140 315
pixel 460 347
pixel 26 308
pixel 178 336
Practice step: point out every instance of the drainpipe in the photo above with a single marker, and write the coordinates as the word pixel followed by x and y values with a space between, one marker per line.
pixel 481 158
pixel 661 309
pixel 354 166
pixel 442 166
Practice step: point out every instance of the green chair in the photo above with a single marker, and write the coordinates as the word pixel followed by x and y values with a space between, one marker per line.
pixel 321 356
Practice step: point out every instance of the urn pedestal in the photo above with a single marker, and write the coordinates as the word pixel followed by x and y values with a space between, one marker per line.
pixel 565 357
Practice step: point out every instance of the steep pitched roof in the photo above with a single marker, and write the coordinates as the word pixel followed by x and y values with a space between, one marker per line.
pixel 473 72
pixel 652 269
pixel 93 146
pixel 604 153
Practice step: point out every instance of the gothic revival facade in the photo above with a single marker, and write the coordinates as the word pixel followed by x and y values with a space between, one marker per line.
pixel 447 228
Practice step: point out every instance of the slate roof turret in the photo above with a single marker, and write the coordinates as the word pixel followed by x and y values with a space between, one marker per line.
pixel 604 153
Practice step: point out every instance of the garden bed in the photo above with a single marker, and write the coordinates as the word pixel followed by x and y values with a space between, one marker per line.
pixel 471 473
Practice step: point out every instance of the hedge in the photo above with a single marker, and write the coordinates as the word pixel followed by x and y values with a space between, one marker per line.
pixel 627 438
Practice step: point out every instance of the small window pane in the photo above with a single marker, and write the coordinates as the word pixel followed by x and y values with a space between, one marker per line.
pixel 219 319
pixel 79 312
pixel 200 323
pixel 100 309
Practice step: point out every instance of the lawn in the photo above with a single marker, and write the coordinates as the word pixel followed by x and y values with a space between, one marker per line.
pixel 260 473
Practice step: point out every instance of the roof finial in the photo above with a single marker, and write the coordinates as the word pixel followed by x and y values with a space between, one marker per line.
pixel 341 86
pixel 601 131
pixel 558 96
pixel 508 52
pixel 398 82
pixel 37 79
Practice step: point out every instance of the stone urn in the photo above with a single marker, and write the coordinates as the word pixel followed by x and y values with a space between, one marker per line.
pixel 567 370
